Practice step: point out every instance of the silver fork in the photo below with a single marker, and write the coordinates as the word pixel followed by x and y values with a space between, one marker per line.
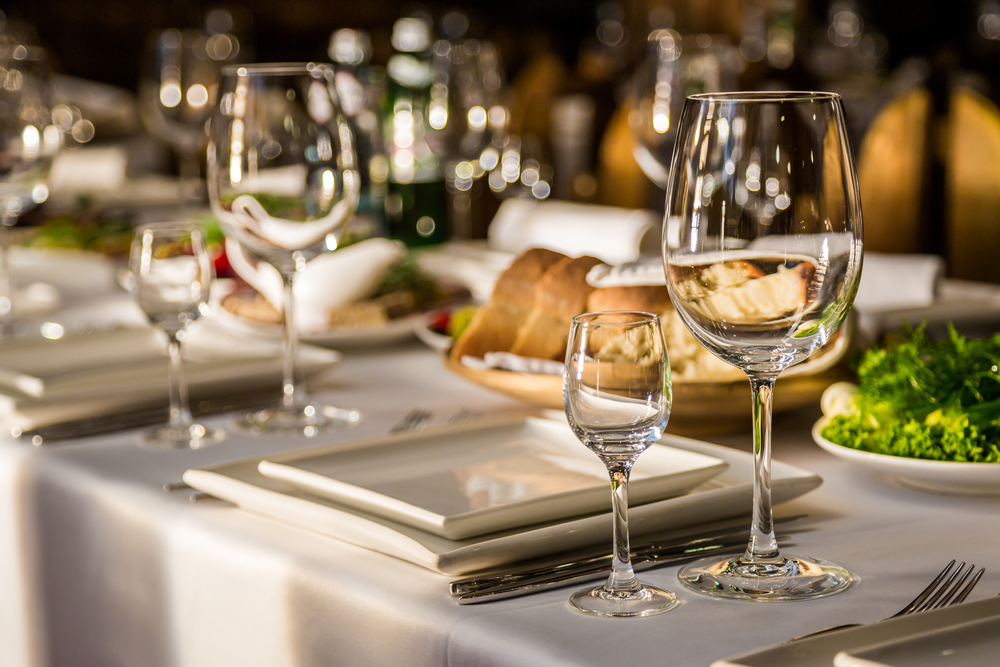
pixel 948 588
pixel 413 421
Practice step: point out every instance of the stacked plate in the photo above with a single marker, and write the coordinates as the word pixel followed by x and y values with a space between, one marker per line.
pixel 464 498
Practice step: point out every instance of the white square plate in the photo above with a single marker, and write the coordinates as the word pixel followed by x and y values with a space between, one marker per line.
pixel 972 644
pixel 482 478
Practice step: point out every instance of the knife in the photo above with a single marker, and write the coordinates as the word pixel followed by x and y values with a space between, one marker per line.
pixel 692 542
pixel 576 574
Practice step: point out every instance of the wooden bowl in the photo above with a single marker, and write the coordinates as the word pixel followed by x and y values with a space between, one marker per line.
pixel 699 408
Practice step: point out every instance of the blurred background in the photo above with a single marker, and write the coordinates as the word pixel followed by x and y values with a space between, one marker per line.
pixel 573 99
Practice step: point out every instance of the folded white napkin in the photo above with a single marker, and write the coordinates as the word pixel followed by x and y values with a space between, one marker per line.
pixel 512 362
pixel 468 263
pixel 645 271
pixel 613 235
pixel 328 282
pixel 896 282
pixel 90 169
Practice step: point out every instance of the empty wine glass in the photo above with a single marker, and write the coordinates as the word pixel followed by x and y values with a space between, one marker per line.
pixel 674 67
pixel 171 275
pixel 177 91
pixel 616 390
pixel 762 250
pixel 282 179
pixel 28 143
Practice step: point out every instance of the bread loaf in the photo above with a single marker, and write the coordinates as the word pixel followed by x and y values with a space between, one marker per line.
pixel 496 325
pixel 562 295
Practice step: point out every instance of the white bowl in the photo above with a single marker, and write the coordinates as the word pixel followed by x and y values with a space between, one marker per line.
pixel 934 476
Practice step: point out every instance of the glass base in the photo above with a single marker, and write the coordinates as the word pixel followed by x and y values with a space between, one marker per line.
pixel 306 419
pixel 789 578
pixel 195 436
pixel 644 601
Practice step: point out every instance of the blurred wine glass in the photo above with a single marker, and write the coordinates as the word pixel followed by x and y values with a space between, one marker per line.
pixel 283 181
pixel 465 113
pixel 674 67
pixel 171 274
pixel 177 92
pixel 28 143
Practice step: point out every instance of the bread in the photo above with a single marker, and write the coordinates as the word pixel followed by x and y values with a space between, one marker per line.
pixel 496 325
pixel 648 298
pixel 561 295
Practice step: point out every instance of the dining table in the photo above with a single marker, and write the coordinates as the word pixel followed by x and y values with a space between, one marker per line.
pixel 102 563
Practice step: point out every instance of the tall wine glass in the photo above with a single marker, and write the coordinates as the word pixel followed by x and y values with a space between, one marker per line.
pixel 283 179
pixel 177 91
pixel 762 250
pixel 616 390
pixel 674 66
pixel 171 273
pixel 28 142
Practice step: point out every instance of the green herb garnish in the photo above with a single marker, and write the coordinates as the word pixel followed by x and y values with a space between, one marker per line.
pixel 925 399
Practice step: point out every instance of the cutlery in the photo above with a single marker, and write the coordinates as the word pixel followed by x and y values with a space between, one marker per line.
pixel 144 415
pixel 944 590
pixel 413 421
pixel 510 582
pixel 597 568
pixel 464 415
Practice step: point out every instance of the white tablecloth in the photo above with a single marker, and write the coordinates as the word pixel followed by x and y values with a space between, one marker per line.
pixel 99 566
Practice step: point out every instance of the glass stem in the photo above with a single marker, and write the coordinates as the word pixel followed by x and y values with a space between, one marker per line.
pixel 622 578
pixel 180 411
pixel 291 387
pixel 763 547
pixel 190 172
pixel 6 284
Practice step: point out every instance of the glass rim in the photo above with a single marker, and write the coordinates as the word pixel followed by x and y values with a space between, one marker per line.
pixel 638 317
pixel 285 69
pixel 766 96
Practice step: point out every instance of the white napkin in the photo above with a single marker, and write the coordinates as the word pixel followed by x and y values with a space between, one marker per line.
pixel 328 282
pixel 896 282
pixel 645 271
pixel 613 235
pixel 512 362
pixel 90 169
pixel 469 263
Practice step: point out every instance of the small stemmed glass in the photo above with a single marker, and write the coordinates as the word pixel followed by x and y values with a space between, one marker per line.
pixel 762 251
pixel 282 180
pixel 171 273
pixel 616 391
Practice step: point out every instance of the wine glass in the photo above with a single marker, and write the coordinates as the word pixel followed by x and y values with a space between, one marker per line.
pixel 171 273
pixel 762 251
pixel 674 66
pixel 282 179
pixel 616 390
pixel 177 91
pixel 28 143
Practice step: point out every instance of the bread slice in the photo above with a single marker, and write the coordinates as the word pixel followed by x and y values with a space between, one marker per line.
pixel 496 325
pixel 562 295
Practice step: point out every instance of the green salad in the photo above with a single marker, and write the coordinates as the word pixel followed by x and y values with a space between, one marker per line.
pixel 925 399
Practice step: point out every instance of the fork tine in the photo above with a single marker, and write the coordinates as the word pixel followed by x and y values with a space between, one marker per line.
pixel 945 600
pixel 924 594
pixel 969 586
pixel 932 600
